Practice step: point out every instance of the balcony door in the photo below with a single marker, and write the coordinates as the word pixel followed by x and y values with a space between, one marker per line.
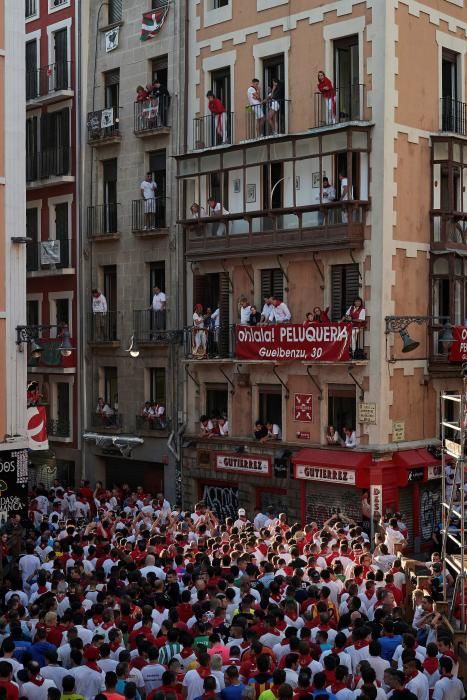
pixel 221 87
pixel 32 149
pixel 274 69
pixel 213 291
pixel 112 88
pixel 347 78
pixel 60 69
pixel 159 70
pixel 109 172
pixel 62 233
pixel 55 143
pixel 156 277
pixel 158 168
pixel 31 69
pixel 110 286
pixel 449 89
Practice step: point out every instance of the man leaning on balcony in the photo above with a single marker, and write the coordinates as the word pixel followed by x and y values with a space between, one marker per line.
pixel 99 313
pixel 280 312
pixel 215 208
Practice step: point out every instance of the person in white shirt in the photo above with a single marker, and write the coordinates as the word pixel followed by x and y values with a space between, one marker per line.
pixel 215 208
pixel 393 536
pixel 350 437
pixel 346 195
pixel 152 568
pixel 199 332
pixel 328 194
pixel 158 309
pixel 28 565
pixel 99 302
pixel 448 687
pixel 280 312
pixel 99 314
pixel 223 424
pixel 148 194
pixel 245 310
pixel 274 432
pixel 255 105
pixel 417 682
pixel 268 308
pixel 152 672
pixel 37 687
pixel 52 671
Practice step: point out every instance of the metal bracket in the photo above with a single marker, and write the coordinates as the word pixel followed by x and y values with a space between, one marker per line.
pixel 357 263
pixel 278 258
pixel 193 379
pixel 232 390
pixel 282 382
pixel 320 272
pixel 318 386
pixel 362 390
pixel 396 324
pixel 228 277
pixel 249 276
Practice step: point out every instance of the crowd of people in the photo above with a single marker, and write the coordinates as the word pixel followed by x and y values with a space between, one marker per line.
pixel 114 593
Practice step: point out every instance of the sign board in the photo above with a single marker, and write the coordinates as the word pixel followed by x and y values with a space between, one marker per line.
pixel 204 459
pixel 303 435
pixel 111 39
pixel 367 413
pixel 283 342
pixel 435 472
pixel 376 493
pixel 458 347
pixel 398 431
pixel 259 465
pixel 415 474
pixel 453 448
pixel 107 118
pixel 50 252
pixel 329 474
pixel 13 483
pixel 303 407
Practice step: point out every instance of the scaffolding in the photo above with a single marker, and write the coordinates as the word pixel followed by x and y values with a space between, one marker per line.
pixel 454 478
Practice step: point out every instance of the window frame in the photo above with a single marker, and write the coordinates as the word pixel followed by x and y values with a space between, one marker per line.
pixel 63 4
pixel 53 404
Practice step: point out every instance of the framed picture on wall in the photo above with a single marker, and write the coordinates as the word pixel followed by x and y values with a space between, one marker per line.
pixel 316 180
pixel 251 193
pixel 297 182
pixel 236 185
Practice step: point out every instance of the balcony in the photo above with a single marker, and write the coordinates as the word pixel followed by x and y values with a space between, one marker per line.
pixel 102 222
pixel 104 127
pixel 449 230
pixel 213 130
pixel 314 227
pixel 109 423
pixel 148 216
pixel 315 343
pixel 49 257
pixel 30 9
pixel 347 106
pixel 58 428
pixel 49 84
pixel 51 163
pixel 150 328
pixel 151 116
pixel 453 116
pixel 157 427
pixel 103 328
pixel 267 120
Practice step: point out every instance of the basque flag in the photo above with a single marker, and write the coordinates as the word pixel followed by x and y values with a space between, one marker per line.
pixel 153 22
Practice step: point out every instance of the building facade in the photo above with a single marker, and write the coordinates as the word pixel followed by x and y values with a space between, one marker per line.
pixel 391 139
pixel 130 244
pixel 52 226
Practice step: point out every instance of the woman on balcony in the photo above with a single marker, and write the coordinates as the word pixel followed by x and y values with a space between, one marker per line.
pixel 328 92
pixel 356 315
pixel 199 332
pixel 274 101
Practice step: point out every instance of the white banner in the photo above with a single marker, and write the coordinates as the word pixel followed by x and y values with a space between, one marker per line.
pixel 435 472
pixel 107 118
pixel 50 252
pixel 330 474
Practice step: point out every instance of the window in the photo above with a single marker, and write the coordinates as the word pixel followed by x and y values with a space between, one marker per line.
pixel 31 149
pixel 342 407
pixel 55 143
pixel 345 280
pixel 32 312
pixel 60 72
pixel 60 311
pixel 216 4
pixel 217 398
pixel 159 70
pixel 347 78
pixel 109 274
pixel 213 290
pixel 62 307
pixel 32 232
pixel 110 388
pixel 60 423
pixel 270 405
pixel 55 5
pixel 31 70
pixel 220 85
pixel 115 11
pixel 31 9
pixel 156 277
pixel 272 283
pixel 273 180
pixel 219 188
pixel 62 233
pixel 157 388
pixel 63 402
pixel 109 176
pixel 112 88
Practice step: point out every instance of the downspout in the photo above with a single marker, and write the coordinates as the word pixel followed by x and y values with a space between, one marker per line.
pixel 81 393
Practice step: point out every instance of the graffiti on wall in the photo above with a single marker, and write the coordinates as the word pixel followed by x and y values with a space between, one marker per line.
pixel 430 511
pixel 323 505
pixel 223 500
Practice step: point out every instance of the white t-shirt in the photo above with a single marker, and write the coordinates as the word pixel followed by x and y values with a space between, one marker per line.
pixel 158 300
pixel 28 565
pixel 345 197
pixel 392 537
pixel 418 685
pixel 149 189
pixel 275 432
pixel 245 312
pixel 252 100
pixel 99 304
pixel 280 313
pixel 448 689
pixel 31 691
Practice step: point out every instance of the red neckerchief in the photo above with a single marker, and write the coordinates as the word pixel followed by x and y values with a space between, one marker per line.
pixel 430 664
pixel 92 665
pixel 185 653
pixel 37 680
pixel 361 644
pixel 450 654
pixel 335 687
pixel 292 615
pixel 388 634
pixel 107 625
pixel 370 594
pixel 97 619
pixel 203 672
pixel 42 589
pixel 330 676
pixel 114 645
pixel 358 580
pixel 304 661
pixel 281 625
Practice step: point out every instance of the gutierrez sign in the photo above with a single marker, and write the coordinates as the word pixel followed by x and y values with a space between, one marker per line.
pixel 242 464
pixel 340 476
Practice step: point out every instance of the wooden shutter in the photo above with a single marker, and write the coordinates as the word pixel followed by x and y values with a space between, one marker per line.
pixel 115 11
pixel 272 283
pixel 352 286
pixel 224 307
pixel 345 281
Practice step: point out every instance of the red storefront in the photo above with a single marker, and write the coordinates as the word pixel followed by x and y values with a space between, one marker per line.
pixel 360 484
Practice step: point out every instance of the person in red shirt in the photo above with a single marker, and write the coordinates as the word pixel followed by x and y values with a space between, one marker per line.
pixel 169 685
pixel 219 116
pixel 6 672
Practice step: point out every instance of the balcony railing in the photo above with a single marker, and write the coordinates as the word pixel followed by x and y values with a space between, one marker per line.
pixel 30 8
pixel 103 125
pixel 48 255
pixel 449 228
pixel 213 130
pixel 48 80
pixel 103 327
pixel 51 162
pixel 153 424
pixel 317 226
pixel 150 327
pixel 453 116
pixel 151 114
pixel 107 422
pixel 348 105
pixel 58 428
pixel 148 214
pixel 204 343
pixel 102 220
pixel 440 337
pixel 269 119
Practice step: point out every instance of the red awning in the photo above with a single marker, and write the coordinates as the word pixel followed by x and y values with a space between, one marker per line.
pixel 345 457
pixel 415 458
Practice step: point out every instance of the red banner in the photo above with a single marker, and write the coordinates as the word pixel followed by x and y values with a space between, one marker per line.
pixel 458 348
pixel 282 342
pixel 37 428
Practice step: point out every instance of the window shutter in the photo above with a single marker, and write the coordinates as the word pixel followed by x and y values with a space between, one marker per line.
pixel 199 282
pixel 336 292
pixel 224 304
pixel 115 11
pixel 352 280
pixel 272 283
pixel 345 281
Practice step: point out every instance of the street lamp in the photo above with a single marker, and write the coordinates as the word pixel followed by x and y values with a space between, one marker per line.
pixel 399 324
pixel 31 336
pixel 133 349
